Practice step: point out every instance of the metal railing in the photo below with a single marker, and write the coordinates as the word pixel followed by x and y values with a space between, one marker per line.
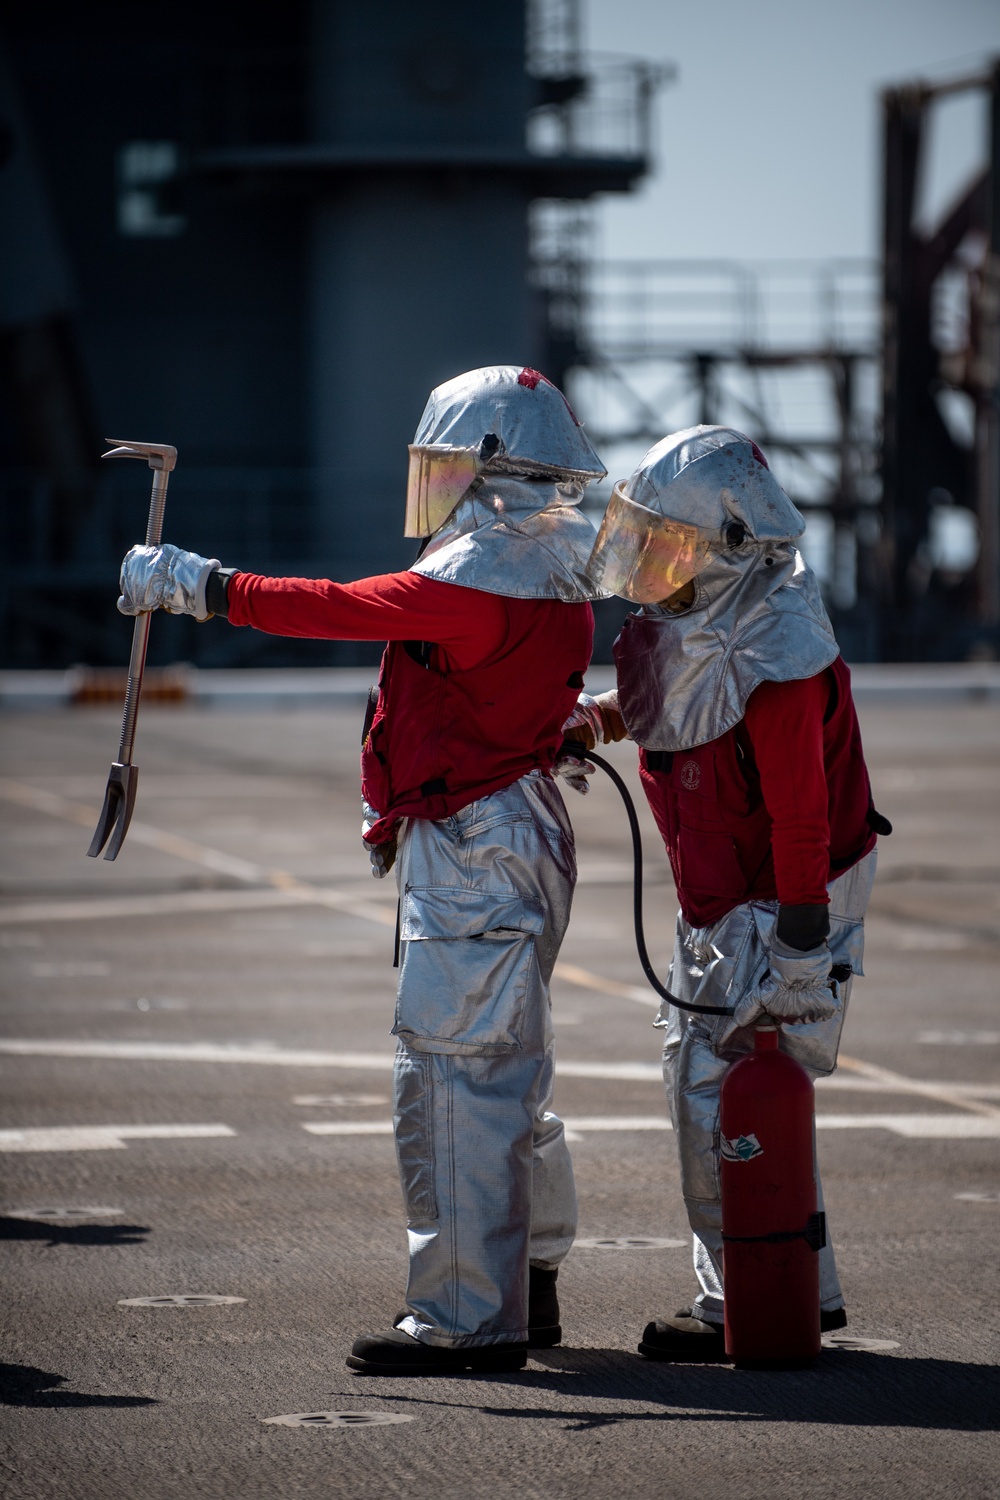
pixel 635 310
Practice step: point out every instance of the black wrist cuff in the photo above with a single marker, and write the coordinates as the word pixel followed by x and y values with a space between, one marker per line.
pixel 217 591
pixel 803 927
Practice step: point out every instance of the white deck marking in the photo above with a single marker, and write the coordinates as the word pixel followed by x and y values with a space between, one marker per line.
pixel 912 1127
pixel 207 1052
pixel 957 1038
pixel 102 1137
pixel 337 1100
pixel 959 1095
pixel 173 903
pixel 942 1093
pixel 849 1085
pixel 918 1127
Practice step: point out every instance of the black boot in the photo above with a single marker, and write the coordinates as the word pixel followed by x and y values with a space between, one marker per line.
pixel 398 1353
pixel 687 1339
pixel 544 1329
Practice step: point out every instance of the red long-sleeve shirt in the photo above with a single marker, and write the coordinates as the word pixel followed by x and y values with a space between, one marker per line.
pixel 784 722
pixel 466 624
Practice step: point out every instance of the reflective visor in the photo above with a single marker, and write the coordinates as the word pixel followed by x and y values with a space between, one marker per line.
pixel 643 556
pixel 439 476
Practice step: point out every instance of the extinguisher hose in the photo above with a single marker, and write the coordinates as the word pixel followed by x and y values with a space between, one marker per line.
pixel 573 747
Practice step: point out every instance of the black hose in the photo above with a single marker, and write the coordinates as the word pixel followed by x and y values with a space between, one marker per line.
pixel 575 748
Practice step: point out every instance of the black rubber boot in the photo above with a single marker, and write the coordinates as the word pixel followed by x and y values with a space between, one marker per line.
pixel 398 1353
pixel 544 1330
pixel 686 1339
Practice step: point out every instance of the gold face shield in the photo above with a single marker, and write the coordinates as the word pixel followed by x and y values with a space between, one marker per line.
pixel 645 557
pixel 439 476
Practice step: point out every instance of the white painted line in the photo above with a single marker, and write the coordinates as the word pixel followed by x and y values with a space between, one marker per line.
pixel 208 1052
pixel 959 1095
pixel 914 1127
pixel 978 1197
pixel 942 1093
pixel 957 1038
pixel 918 1127
pixel 279 1057
pixel 102 1137
pixel 619 1122
pixel 847 1085
pixel 174 903
pixel 72 970
pixel 353 1101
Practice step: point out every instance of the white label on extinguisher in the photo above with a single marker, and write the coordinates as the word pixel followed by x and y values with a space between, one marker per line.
pixel 743 1148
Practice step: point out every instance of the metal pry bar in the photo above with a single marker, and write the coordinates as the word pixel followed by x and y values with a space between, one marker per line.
pixel 119 796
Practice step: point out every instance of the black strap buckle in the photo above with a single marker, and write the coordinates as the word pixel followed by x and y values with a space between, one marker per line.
pixel 814 1234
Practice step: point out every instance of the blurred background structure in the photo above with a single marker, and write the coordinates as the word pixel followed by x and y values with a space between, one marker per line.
pixel 266 245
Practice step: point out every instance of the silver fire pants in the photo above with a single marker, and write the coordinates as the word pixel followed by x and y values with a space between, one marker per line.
pixel 718 965
pixel 486 1174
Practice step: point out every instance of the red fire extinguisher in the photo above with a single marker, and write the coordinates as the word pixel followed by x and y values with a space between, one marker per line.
pixel 771 1231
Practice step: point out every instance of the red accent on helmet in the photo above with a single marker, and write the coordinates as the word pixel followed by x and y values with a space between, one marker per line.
pixel 530 378
pixel 758 455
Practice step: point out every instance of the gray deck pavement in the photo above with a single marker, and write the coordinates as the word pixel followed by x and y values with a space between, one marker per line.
pixel 195 1060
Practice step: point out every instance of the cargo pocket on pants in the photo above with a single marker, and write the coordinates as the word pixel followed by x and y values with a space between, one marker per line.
pixel 413 1124
pixel 467 968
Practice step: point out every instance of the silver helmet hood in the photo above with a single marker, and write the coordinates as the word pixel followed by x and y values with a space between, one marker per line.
pixel 517 530
pixel 756 616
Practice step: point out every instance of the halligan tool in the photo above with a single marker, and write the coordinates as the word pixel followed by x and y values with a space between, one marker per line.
pixel 119 797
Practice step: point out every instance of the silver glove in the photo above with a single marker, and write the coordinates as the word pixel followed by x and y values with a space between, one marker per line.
pixel 382 856
pixel 575 771
pixel 797 989
pixel 165 578
pixel 600 716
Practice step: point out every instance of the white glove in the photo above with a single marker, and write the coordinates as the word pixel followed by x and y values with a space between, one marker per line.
pixel 599 718
pixel 165 578
pixel 797 989
pixel 575 771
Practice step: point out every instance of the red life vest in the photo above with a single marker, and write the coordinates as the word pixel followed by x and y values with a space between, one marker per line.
pixel 439 739
pixel 709 808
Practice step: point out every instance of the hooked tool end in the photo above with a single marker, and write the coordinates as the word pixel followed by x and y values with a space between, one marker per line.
pixel 116 814
pixel 157 455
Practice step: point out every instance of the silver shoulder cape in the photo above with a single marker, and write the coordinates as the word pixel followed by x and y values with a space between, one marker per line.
pixel 684 680
pixel 521 538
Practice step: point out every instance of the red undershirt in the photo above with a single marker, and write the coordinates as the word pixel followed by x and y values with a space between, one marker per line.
pixel 785 723
pixel 468 626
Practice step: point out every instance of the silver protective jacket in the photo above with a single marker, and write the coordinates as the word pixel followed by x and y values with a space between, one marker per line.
pixel 757 615
pixel 518 531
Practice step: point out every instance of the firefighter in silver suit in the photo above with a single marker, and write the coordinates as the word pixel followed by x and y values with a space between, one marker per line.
pixel 731 682
pixel 489 636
